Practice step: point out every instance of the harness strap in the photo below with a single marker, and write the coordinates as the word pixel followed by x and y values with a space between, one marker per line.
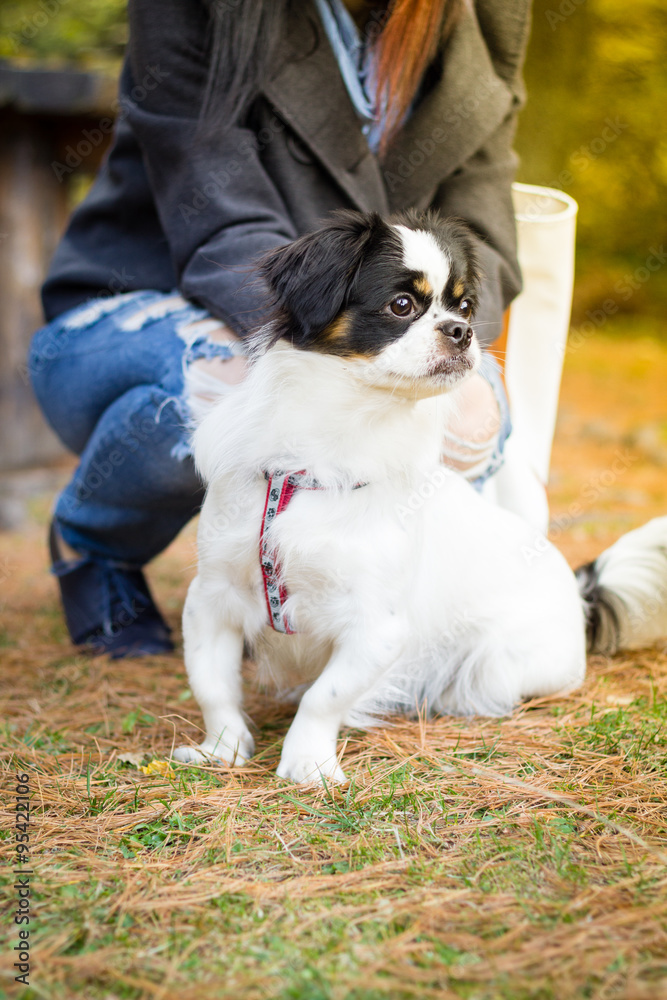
pixel 281 487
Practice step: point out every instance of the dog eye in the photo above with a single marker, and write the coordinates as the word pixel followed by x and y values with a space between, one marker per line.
pixel 465 308
pixel 402 305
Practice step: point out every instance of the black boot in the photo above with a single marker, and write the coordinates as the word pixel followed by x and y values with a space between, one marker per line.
pixel 108 606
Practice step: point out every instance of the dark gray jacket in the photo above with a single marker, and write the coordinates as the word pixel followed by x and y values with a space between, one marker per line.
pixel 173 209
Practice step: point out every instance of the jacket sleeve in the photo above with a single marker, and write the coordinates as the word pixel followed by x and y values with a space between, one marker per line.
pixel 216 204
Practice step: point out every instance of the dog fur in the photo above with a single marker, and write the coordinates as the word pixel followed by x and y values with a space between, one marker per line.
pixel 408 591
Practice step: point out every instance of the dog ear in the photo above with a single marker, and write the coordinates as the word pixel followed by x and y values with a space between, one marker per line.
pixel 311 278
pixel 458 236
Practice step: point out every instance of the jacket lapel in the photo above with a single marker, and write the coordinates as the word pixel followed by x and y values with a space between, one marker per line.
pixel 309 94
pixel 449 125
pixel 452 121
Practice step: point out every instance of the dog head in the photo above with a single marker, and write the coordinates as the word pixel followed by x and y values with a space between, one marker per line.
pixel 394 299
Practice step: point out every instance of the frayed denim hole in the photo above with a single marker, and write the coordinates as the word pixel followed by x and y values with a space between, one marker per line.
pixel 203 348
pixel 88 313
pixel 166 305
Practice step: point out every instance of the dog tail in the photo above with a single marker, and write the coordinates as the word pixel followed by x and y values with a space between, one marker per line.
pixel 625 591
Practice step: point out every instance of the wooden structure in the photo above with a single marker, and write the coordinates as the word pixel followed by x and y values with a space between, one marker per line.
pixel 45 116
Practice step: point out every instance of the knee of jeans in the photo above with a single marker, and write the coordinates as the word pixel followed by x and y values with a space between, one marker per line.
pixel 42 354
pixel 213 362
pixel 145 433
pixel 42 372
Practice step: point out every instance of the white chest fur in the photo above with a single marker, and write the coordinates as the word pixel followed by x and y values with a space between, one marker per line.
pixel 411 588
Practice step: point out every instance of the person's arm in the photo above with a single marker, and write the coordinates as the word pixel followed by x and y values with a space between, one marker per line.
pixel 218 208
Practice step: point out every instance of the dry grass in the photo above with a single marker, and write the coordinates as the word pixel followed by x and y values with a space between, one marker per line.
pixel 479 859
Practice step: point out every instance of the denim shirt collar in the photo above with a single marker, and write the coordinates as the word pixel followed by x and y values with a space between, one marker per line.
pixel 468 102
pixel 354 59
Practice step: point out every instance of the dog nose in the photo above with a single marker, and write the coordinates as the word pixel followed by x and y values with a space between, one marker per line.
pixel 456 330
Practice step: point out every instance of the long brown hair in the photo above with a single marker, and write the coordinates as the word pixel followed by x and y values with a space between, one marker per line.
pixel 405 35
pixel 405 47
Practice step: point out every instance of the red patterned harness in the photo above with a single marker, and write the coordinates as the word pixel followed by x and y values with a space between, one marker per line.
pixel 280 489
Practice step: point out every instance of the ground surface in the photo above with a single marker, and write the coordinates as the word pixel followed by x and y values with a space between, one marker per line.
pixel 479 859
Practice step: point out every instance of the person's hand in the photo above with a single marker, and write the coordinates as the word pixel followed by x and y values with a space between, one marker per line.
pixel 472 432
pixel 213 371
pixel 229 370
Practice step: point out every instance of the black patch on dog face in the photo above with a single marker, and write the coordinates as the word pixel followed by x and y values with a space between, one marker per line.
pixel 455 239
pixel 345 289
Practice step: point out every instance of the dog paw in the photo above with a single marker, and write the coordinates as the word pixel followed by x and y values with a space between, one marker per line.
pixel 304 770
pixel 226 750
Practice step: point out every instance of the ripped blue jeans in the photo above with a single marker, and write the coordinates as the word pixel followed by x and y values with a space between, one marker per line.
pixel 109 376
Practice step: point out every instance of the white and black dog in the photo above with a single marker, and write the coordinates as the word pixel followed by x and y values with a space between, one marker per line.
pixel 312 551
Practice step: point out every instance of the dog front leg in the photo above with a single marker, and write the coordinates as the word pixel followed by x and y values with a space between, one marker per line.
pixel 309 750
pixel 213 658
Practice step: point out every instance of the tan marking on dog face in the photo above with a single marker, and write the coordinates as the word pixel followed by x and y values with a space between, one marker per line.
pixel 351 355
pixel 338 329
pixel 423 286
pixel 459 289
pixel 333 340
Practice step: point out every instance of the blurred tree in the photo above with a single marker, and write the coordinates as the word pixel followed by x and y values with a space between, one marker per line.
pixel 89 33
pixel 594 126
